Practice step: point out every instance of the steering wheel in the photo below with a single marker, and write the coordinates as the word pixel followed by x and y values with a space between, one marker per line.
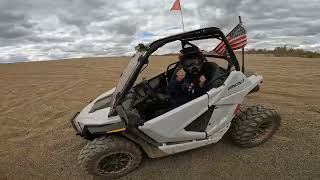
pixel 149 91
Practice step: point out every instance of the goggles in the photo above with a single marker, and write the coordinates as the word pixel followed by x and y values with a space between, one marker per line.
pixel 188 62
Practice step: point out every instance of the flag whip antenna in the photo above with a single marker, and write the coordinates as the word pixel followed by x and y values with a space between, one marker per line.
pixel 177 7
pixel 181 17
pixel 242 49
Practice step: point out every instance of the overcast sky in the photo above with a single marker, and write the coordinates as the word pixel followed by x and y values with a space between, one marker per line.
pixel 33 30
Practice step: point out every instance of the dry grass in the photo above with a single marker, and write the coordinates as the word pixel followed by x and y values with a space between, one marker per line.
pixel 38 99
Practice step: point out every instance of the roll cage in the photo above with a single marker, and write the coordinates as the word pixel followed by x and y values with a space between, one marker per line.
pixel 200 34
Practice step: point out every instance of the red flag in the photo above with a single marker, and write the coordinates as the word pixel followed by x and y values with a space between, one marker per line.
pixel 176 6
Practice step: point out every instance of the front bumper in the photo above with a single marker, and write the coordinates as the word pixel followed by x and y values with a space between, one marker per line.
pixel 73 123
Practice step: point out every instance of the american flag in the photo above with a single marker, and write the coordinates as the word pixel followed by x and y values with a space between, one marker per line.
pixel 237 39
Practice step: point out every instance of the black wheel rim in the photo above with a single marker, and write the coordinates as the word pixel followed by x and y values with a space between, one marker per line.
pixel 114 163
pixel 263 132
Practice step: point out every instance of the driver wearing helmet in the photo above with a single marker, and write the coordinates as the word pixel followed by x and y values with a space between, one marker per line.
pixel 192 62
pixel 188 82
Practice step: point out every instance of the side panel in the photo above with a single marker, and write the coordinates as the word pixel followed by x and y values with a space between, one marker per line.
pixel 234 84
pixel 169 127
pixel 176 148
pixel 227 97
pixel 221 116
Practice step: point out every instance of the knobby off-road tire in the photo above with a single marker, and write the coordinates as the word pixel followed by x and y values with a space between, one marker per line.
pixel 254 125
pixel 110 156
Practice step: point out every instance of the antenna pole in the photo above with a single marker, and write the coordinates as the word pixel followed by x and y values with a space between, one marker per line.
pixel 242 49
pixel 181 16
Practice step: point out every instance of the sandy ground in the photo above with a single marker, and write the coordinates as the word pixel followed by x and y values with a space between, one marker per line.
pixel 38 99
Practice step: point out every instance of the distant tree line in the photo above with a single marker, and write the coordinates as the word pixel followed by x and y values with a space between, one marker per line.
pixel 286 51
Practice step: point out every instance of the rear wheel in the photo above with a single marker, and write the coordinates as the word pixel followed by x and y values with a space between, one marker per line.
pixel 110 156
pixel 254 126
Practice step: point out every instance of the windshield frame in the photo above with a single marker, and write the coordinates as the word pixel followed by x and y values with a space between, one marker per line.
pixel 127 78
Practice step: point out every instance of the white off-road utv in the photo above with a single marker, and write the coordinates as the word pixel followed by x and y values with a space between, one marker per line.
pixel 133 119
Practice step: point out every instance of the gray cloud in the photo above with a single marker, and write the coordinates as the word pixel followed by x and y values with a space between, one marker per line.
pixel 14 25
pixel 43 30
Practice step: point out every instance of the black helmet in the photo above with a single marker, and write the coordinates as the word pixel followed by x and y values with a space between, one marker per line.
pixel 191 56
pixel 190 50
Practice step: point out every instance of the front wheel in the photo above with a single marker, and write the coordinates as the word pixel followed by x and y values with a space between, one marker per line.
pixel 110 156
pixel 254 126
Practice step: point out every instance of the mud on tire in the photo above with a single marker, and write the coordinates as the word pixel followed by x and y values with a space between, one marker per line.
pixel 254 125
pixel 110 156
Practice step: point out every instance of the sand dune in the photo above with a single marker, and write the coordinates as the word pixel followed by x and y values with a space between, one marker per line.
pixel 38 99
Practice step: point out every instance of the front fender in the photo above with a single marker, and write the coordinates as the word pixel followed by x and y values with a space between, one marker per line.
pixel 96 121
